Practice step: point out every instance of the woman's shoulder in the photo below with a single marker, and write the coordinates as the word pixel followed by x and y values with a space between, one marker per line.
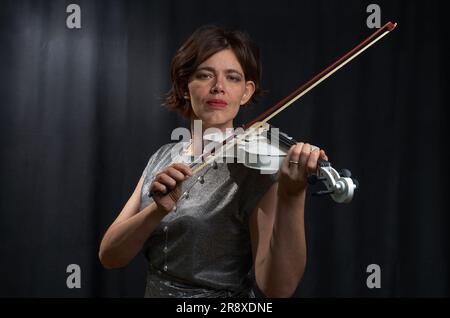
pixel 165 148
pixel 171 148
pixel 164 155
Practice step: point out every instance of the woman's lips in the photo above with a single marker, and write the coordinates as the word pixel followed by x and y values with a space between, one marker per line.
pixel 217 103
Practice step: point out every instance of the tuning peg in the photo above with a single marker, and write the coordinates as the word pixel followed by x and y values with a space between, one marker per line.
pixel 312 179
pixel 324 163
pixel 345 173
pixel 322 192
pixel 356 183
pixel 185 195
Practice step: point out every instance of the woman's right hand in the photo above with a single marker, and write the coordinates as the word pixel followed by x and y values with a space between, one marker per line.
pixel 165 188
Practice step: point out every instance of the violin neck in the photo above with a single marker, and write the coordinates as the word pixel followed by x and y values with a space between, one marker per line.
pixel 283 139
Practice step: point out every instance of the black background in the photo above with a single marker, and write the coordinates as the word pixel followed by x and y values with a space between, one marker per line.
pixel 81 115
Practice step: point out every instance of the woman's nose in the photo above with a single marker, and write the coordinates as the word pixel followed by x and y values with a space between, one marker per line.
pixel 217 86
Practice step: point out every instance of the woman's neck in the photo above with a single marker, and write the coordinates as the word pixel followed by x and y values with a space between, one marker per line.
pixel 197 132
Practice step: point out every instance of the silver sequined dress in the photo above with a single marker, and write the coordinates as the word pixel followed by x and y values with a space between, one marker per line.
pixel 203 248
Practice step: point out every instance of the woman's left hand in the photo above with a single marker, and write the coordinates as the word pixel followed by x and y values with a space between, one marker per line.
pixel 298 164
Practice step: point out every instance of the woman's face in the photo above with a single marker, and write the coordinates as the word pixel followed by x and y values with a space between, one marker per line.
pixel 217 89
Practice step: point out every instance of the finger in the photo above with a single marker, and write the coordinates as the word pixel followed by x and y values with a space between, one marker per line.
pixel 158 187
pixel 174 195
pixel 285 164
pixel 311 166
pixel 323 156
pixel 169 182
pixel 304 155
pixel 175 174
pixel 185 169
pixel 295 155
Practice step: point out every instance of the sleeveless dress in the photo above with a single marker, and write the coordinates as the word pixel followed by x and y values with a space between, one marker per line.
pixel 202 248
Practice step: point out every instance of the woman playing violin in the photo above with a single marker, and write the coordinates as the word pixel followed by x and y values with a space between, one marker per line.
pixel 235 222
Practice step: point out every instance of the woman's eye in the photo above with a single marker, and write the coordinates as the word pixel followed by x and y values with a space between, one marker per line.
pixel 234 78
pixel 203 76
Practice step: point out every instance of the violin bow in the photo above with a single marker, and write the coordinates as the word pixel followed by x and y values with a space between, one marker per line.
pixel 301 91
pixel 319 78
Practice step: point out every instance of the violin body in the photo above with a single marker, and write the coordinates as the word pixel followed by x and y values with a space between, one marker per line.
pixel 265 149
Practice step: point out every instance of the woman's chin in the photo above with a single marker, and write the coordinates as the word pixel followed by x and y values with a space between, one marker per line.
pixel 214 121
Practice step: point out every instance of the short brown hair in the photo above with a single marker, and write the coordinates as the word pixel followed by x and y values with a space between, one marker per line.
pixel 202 44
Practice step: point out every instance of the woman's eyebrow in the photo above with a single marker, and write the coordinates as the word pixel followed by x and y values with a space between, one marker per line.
pixel 210 69
pixel 206 68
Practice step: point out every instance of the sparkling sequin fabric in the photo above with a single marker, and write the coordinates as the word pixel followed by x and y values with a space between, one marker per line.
pixel 202 248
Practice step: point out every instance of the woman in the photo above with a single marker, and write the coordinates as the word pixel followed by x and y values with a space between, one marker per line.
pixel 235 220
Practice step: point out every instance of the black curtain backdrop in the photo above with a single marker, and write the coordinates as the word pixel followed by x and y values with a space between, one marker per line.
pixel 81 114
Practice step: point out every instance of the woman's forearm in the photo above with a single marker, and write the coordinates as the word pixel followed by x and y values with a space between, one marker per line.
pixel 286 260
pixel 123 241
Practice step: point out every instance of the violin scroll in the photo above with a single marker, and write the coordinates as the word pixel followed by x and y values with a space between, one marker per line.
pixel 340 186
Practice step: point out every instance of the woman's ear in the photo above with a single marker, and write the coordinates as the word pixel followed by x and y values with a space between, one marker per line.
pixel 248 93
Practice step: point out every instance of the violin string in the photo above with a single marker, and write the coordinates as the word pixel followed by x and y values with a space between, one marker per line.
pixel 283 139
pixel 203 159
pixel 209 157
